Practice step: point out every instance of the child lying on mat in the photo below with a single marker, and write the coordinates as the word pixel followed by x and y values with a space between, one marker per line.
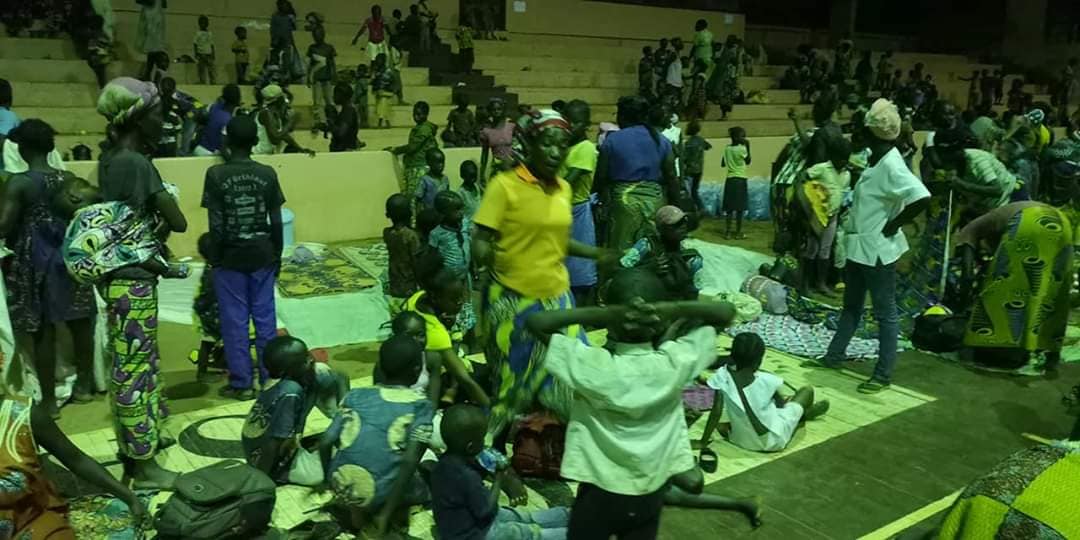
pixel 106 236
pixel 627 440
pixel 272 431
pixel 762 419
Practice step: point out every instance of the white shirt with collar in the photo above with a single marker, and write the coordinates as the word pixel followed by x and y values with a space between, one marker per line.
pixel 627 432
pixel 883 191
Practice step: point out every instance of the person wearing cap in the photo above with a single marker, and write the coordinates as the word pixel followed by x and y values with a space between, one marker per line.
pixel 664 254
pixel 243 201
pixel 887 197
pixel 272 122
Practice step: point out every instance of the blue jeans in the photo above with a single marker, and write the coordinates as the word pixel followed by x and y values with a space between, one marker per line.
pixel 880 281
pixel 514 524
pixel 245 299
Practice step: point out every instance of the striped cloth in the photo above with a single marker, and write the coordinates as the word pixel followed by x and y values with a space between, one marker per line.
pixel 985 169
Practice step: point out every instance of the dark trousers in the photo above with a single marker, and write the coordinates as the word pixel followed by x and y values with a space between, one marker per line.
pixel 600 514
pixel 245 298
pixel 241 73
pixel 468 57
pixel 880 282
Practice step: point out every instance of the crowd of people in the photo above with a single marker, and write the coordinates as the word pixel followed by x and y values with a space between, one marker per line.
pixel 550 235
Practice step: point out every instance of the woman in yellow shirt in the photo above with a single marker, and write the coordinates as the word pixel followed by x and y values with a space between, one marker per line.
pixel 520 247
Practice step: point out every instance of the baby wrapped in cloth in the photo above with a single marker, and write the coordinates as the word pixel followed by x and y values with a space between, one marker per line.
pixel 106 236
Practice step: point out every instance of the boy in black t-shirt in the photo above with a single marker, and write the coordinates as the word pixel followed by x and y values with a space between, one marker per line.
pixel 243 200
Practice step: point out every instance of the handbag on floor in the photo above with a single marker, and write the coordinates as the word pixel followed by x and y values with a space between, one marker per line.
pixel 224 501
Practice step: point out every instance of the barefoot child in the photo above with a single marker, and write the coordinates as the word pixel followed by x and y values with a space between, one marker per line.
pixel 634 392
pixel 415 153
pixel 762 420
pixel 693 160
pixel 822 195
pixel 463 507
pixel 470 191
pixel 434 181
pixel 736 198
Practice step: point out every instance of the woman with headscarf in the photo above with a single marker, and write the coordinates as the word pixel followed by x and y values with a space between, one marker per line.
pixel 887 197
pixel 522 240
pixel 1021 308
pixel 40 291
pixel 635 171
pixel 125 173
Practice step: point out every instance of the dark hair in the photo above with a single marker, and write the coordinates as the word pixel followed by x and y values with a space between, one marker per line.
pixel 242 133
pixel 396 13
pixel 700 25
pixel 34 137
pixel 633 283
pixel 422 107
pixel 5 93
pixel 460 423
pixel 343 89
pixel 282 353
pixel 399 359
pixel 398 208
pixel 468 165
pixel 401 321
pixel 445 201
pixel 646 50
pixel 824 107
pixel 238 30
pixel 427 220
pixel 205 246
pixel 230 94
pixel 204 18
pixel 838 148
pixel 747 349
pixel 736 132
pixel 693 128
pixel 434 153
pixel 558 105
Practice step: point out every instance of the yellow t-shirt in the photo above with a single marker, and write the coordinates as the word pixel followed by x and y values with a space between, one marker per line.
pixel 582 155
pixel 533 225
pixel 735 160
pixel 438 338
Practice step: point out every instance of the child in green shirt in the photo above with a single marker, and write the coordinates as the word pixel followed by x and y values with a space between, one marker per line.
pixel 736 198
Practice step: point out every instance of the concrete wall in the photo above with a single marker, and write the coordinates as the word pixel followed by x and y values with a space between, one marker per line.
pixel 601 19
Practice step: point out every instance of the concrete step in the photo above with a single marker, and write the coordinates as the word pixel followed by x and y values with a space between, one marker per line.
pixel 64 95
pixel 76 71
pixel 530 63
pixel 37 49
pixel 605 52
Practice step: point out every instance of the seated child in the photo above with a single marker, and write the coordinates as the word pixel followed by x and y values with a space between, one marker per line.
pixel 762 420
pixel 434 182
pixel 402 246
pixel 461 128
pixel 463 507
pixel 633 389
pixel 377 438
pixel 439 303
pixel 272 431
pixel 106 236
pixel 664 255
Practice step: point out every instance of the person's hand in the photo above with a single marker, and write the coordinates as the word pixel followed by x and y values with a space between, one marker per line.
pixel 388 149
pixel 607 258
pixel 639 315
pixel 354 40
pixel 139 515
pixel 890 229
pixel 308 151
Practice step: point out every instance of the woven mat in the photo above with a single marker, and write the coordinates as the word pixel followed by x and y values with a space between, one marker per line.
pixel 331 274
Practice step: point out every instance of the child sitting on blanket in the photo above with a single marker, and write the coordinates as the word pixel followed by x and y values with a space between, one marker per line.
pixel 463 507
pixel 106 236
pixel 762 420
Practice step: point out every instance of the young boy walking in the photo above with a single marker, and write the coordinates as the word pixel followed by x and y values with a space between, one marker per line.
pixel 633 390
pixel 243 200
pixel 463 507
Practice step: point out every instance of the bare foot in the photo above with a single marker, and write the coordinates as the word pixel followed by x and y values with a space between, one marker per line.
pixel 817 409
pixel 514 488
pixel 148 474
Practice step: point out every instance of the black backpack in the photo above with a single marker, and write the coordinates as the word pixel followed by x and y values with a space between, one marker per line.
pixel 224 501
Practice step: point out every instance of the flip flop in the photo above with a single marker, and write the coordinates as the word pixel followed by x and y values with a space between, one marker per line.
pixel 708 460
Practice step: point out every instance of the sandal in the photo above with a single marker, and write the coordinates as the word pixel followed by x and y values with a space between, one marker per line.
pixel 708 460
pixel 239 394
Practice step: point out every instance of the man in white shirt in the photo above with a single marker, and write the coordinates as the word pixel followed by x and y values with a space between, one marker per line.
pixel 887 197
